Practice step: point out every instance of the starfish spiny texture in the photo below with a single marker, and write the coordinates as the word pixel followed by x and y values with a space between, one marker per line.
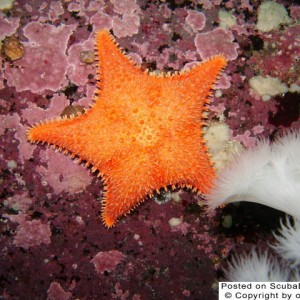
pixel 143 132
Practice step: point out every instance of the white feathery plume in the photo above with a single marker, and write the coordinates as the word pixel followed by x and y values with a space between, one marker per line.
pixel 268 174
pixel 256 267
pixel 295 275
pixel 288 242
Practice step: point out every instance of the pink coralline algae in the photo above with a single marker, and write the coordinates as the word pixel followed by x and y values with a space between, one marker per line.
pixel 101 20
pixel 127 20
pixel 33 114
pixel 13 123
pixel 183 228
pixel 119 293
pixel 246 138
pixel 196 20
pixel 8 26
pixel 127 25
pixel 295 12
pixel 224 82
pixel 217 41
pixel 125 6
pixel 107 261
pixel 56 292
pixel 56 10
pixel 78 72
pixel 44 64
pixel 62 174
pixel 18 202
pixel 32 233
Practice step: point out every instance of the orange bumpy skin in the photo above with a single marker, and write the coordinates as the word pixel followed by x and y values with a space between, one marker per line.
pixel 142 133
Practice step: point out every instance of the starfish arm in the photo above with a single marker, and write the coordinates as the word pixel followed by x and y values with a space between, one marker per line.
pixel 198 82
pixel 206 72
pixel 53 132
pixel 124 193
pixel 193 171
pixel 114 68
pixel 74 135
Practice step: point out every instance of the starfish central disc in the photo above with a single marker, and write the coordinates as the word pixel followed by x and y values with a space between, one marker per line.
pixel 143 128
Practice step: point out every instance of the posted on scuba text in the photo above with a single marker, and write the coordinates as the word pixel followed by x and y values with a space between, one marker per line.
pixel 259 290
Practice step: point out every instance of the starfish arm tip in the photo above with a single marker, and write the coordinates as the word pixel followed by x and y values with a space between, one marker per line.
pixel 108 222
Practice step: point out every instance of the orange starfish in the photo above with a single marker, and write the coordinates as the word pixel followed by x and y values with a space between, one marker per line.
pixel 142 133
